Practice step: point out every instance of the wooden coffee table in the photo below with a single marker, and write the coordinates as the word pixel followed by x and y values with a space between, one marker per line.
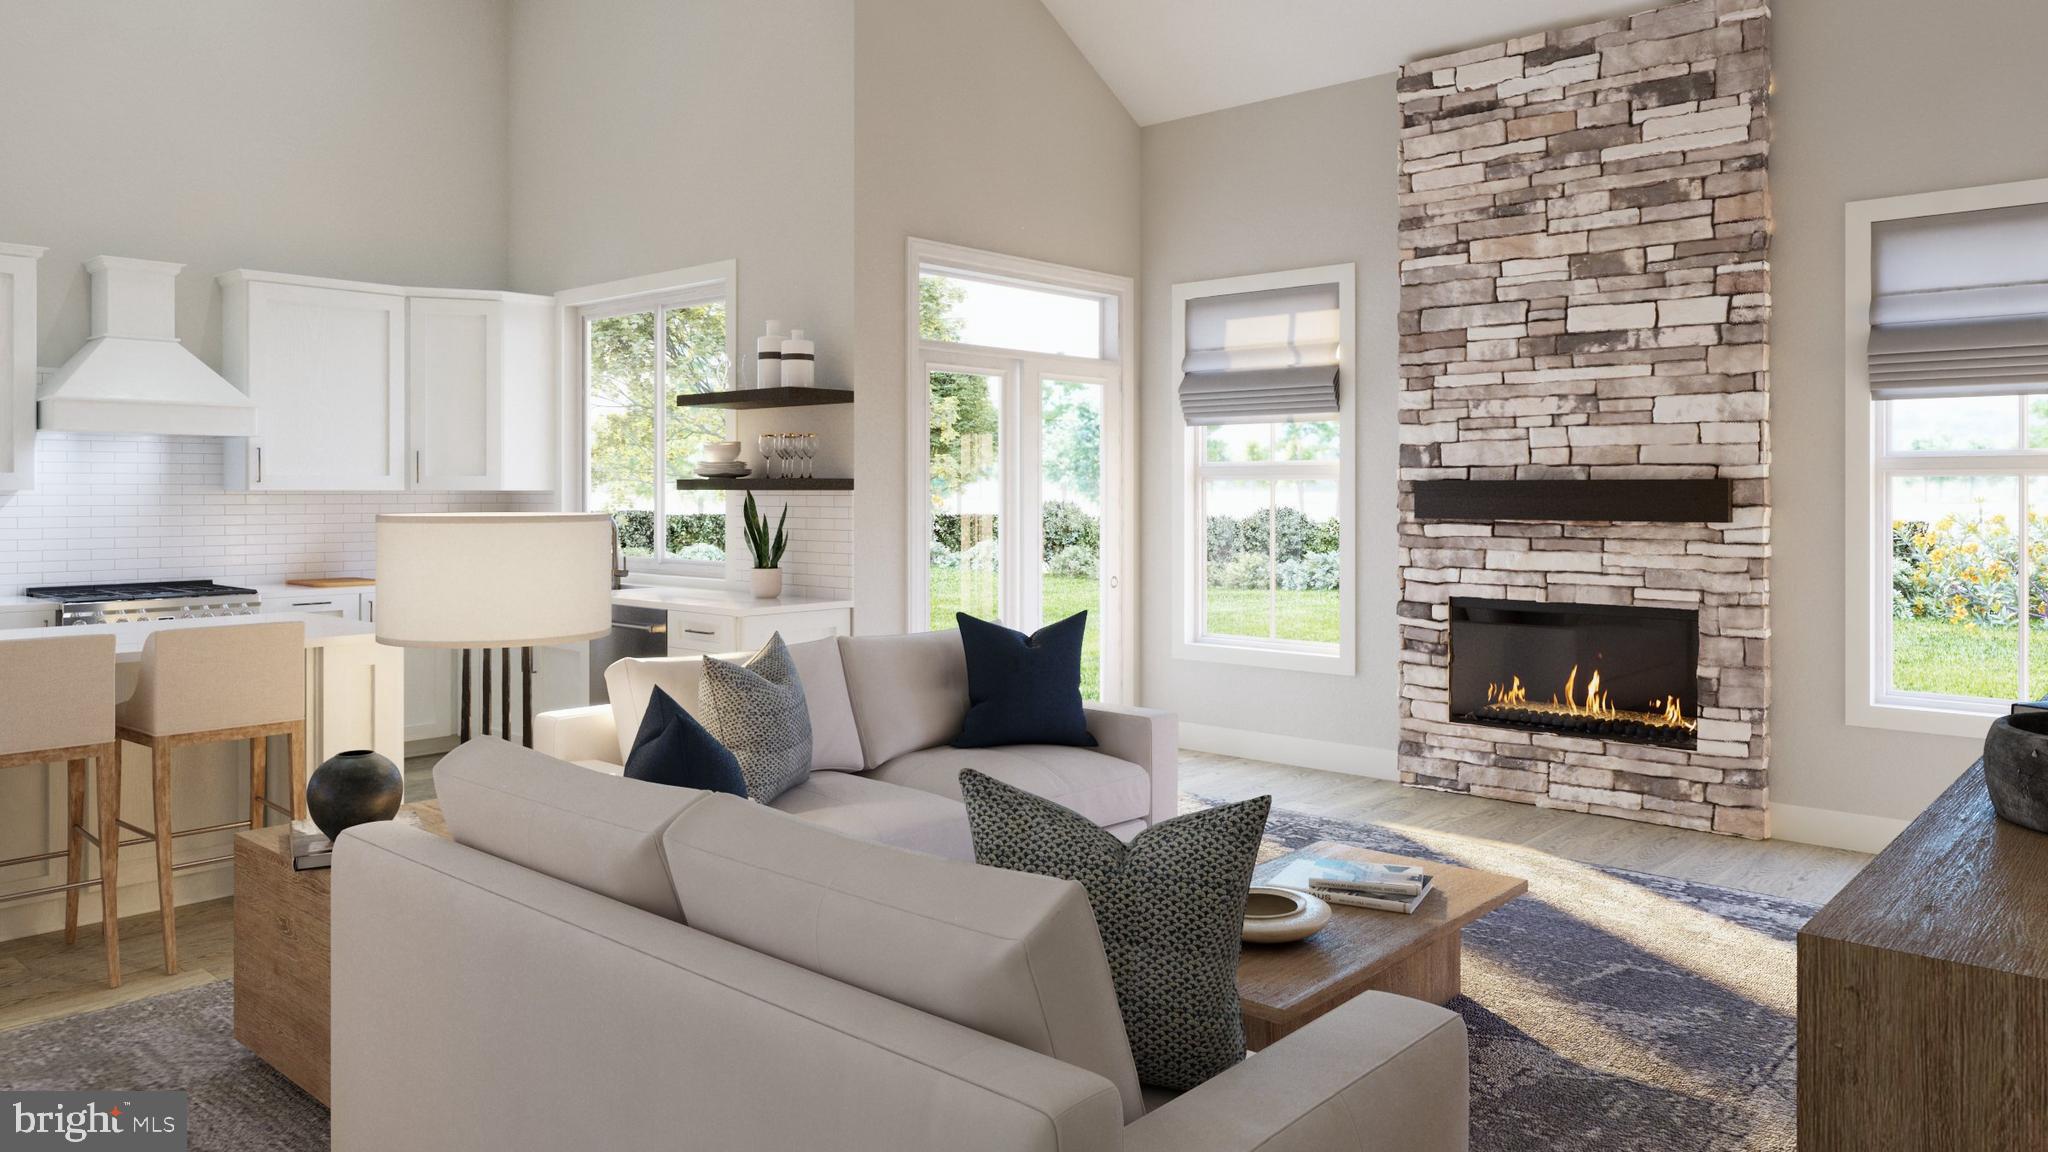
pixel 1282 987
pixel 281 952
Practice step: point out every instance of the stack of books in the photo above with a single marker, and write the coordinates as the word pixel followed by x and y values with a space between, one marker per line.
pixel 1385 887
pixel 312 849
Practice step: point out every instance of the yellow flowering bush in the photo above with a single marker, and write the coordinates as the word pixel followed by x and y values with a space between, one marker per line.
pixel 1964 569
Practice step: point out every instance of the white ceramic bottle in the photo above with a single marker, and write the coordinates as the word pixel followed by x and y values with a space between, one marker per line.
pixel 799 360
pixel 768 357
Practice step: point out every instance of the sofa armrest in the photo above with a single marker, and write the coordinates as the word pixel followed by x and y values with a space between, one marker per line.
pixel 1382 1073
pixel 1149 738
pixel 577 734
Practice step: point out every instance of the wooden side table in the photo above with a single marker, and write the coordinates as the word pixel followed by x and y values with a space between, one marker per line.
pixel 281 953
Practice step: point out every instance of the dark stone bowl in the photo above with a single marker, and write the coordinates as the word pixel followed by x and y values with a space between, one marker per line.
pixel 352 788
pixel 2016 768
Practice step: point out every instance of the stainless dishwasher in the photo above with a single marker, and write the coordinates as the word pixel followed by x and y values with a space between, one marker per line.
pixel 635 632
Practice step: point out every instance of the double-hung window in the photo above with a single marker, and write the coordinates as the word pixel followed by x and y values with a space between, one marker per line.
pixel 643 343
pixel 1949 356
pixel 1267 528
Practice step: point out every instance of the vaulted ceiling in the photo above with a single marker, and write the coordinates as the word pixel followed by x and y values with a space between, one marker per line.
pixel 1166 59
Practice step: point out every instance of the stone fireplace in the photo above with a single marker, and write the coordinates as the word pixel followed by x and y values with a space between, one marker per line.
pixel 1585 441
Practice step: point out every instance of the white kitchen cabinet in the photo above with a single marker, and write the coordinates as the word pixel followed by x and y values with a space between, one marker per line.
pixel 325 364
pixel 480 392
pixel 18 366
pixel 692 631
pixel 342 605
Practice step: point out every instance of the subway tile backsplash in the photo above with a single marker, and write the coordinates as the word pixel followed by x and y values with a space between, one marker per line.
pixel 109 507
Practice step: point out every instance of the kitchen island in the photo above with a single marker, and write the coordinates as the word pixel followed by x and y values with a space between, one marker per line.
pixel 355 698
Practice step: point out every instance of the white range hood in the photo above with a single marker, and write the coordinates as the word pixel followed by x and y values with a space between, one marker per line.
pixel 133 376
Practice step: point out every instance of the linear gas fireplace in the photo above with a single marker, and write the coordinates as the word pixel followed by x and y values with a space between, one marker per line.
pixel 1601 671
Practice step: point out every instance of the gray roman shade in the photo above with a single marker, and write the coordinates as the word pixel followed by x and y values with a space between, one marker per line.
pixel 1960 304
pixel 1259 356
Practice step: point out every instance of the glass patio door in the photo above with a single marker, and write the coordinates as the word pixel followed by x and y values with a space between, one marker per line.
pixel 1022 516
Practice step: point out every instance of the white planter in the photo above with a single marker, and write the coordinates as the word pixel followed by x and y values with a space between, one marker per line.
pixel 767 583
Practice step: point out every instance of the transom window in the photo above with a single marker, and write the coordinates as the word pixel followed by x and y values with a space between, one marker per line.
pixel 639 355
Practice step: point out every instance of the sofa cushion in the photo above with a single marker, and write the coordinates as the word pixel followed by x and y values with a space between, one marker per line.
pixel 1023 689
pixel 884 813
pixel 757 710
pixel 1170 906
pixel 674 749
pixel 598 832
pixel 909 692
pixel 1007 954
pixel 1103 788
pixel 835 742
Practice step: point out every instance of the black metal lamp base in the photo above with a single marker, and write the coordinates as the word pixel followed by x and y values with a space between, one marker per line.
pixel 504 695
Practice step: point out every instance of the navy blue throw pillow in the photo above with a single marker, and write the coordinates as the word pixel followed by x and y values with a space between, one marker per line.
pixel 1023 689
pixel 672 748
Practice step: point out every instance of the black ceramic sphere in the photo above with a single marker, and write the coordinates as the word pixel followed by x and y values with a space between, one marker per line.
pixel 2016 768
pixel 352 788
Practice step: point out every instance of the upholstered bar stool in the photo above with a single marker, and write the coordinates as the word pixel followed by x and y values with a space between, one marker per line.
pixel 57 703
pixel 242 682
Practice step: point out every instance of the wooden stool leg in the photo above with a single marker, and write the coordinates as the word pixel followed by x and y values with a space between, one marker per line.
pixel 74 846
pixel 296 740
pixel 259 775
pixel 107 767
pixel 160 781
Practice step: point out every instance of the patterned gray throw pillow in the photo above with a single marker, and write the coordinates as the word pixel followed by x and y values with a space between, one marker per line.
pixel 1170 907
pixel 757 709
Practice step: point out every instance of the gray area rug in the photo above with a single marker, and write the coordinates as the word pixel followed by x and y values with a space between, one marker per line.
pixel 179 1041
pixel 1611 1009
pixel 1607 1009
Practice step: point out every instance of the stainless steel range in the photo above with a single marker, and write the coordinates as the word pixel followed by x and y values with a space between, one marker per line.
pixel 146 600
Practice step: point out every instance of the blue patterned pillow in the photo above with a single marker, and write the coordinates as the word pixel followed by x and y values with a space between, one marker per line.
pixel 672 748
pixel 1169 906
pixel 1023 689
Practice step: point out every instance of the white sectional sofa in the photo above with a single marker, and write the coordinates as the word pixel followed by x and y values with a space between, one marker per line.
pixel 884 710
pixel 596 962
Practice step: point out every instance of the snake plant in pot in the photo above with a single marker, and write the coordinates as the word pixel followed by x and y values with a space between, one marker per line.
pixel 767 549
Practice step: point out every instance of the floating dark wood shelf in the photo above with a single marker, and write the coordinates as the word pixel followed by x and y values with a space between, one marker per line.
pixel 767 484
pixel 1709 501
pixel 766 398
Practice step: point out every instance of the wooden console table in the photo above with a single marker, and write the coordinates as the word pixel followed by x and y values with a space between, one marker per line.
pixel 281 953
pixel 1923 991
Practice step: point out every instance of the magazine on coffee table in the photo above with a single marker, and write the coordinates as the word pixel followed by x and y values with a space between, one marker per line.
pixel 1400 881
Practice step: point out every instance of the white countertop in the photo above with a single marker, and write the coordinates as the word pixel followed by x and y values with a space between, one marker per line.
pixel 724 601
pixel 321 631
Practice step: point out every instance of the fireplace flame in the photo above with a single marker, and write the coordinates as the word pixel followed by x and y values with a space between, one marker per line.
pixel 1596 704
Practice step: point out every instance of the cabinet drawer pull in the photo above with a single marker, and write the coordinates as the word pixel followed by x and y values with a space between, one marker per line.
pixel 699 632
pixel 259 463
pixel 312 603
pixel 650 629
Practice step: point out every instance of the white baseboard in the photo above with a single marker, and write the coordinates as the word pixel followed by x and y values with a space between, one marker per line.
pixel 1829 828
pixel 138 895
pixel 1297 751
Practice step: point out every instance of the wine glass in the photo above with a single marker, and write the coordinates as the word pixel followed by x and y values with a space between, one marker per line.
pixel 767 446
pixel 810 454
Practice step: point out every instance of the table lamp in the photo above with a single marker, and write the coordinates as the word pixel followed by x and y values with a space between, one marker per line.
pixel 489 580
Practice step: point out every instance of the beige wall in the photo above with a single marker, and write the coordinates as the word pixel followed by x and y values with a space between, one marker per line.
pixel 1873 98
pixel 1287 183
pixel 362 140
pixel 649 135
pixel 976 122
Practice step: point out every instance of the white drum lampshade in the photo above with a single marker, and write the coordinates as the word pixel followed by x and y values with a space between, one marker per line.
pixel 493 579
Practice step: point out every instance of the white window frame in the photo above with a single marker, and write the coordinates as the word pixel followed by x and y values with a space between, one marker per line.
pixel 1116 369
pixel 1190 523
pixel 681 288
pixel 1869 464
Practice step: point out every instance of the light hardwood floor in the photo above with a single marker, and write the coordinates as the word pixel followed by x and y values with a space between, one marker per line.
pixel 42 979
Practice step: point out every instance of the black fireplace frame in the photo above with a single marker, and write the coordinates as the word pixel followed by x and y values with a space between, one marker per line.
pixel 1474 609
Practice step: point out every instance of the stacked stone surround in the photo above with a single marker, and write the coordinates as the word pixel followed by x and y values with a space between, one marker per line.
pixel 1585 229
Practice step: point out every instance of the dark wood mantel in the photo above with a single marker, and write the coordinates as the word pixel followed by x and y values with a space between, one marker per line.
pixel 1923 990
pixel 1705 501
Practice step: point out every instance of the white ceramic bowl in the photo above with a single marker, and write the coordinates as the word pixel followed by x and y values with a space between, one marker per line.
pixel 722 451
pixel 1278 915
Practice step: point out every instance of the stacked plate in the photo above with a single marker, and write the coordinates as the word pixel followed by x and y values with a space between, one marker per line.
pixel 728 470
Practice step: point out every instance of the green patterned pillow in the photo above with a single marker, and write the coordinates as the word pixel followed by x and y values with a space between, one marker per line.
pixel 757 709
pixel 1169 905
